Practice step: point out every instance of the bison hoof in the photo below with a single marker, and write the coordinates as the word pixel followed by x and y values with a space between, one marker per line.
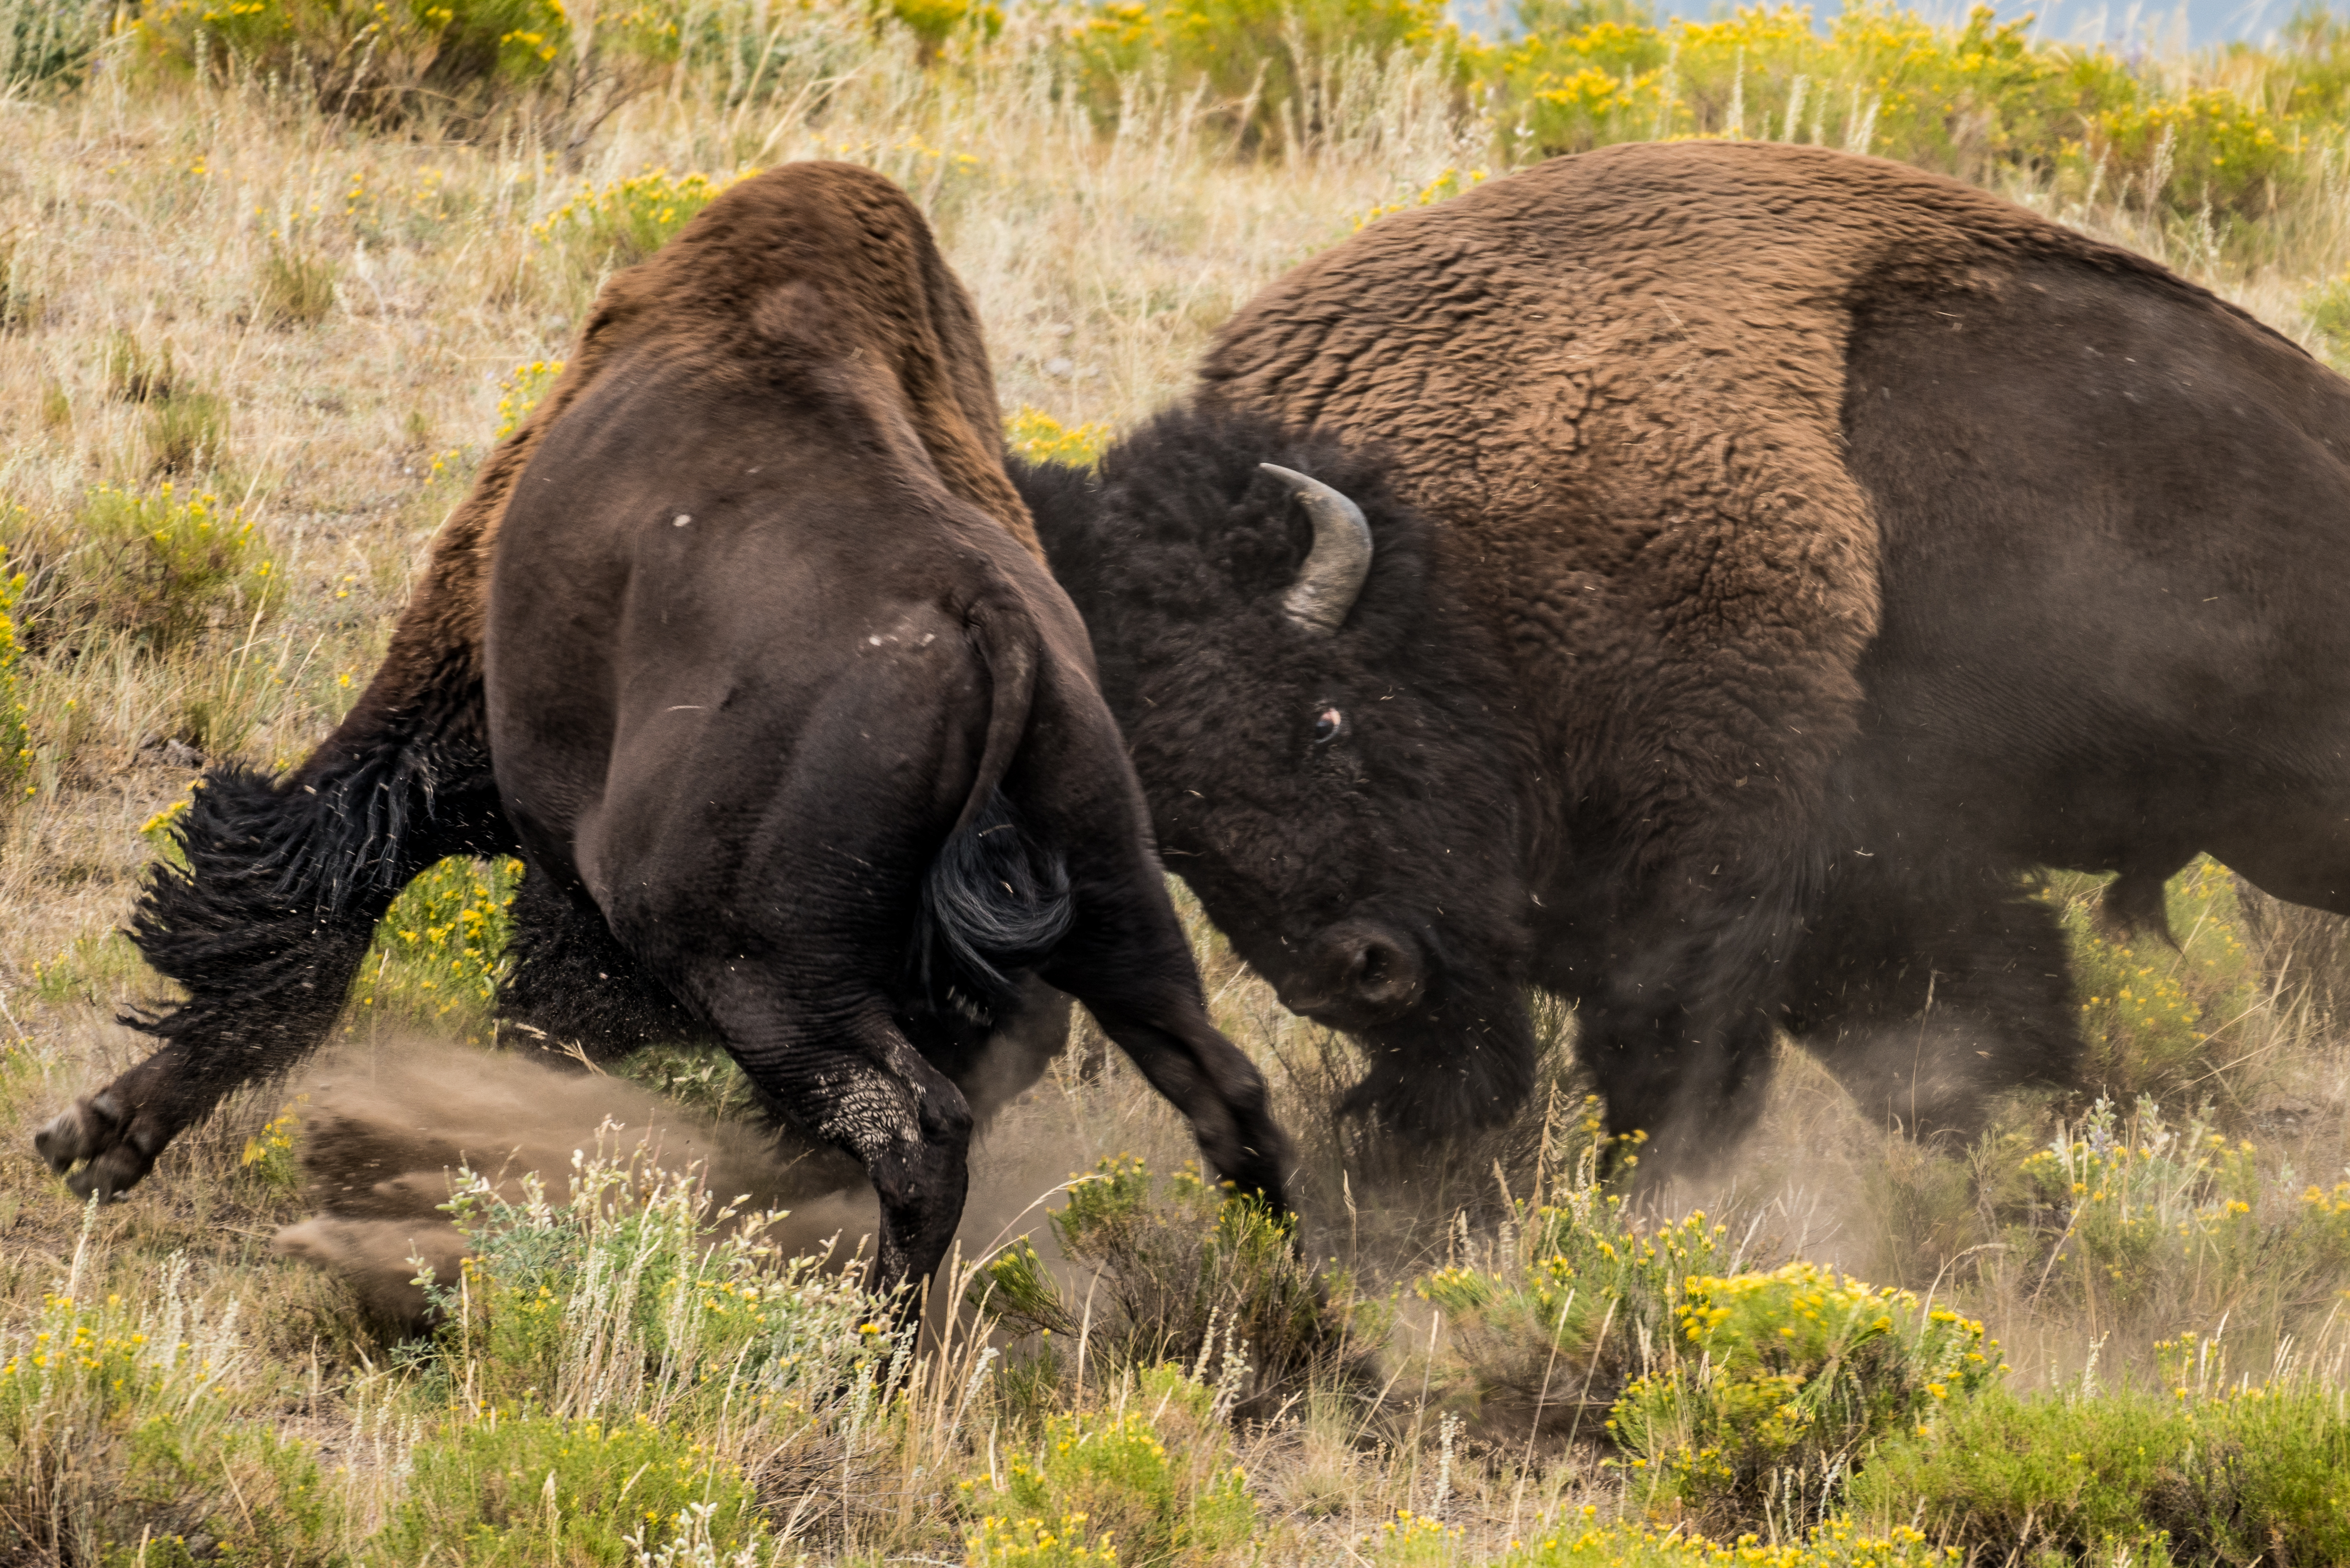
pixel 92 1129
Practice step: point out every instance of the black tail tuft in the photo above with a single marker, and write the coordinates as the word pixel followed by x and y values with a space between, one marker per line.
pixel 281 885
pixel 995 902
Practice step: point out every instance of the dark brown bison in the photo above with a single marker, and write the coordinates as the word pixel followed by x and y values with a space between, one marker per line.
pixel 743 642
pixel 1731 568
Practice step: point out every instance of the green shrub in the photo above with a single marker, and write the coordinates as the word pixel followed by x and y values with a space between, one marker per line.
pixel 2329 318
pixel 21 307
pixel 515 1491
pixel 1259 63
pixel 187 432
pixel 1180 1265
pixel 1782 1384
pixel 45 41
pixel 255 1495
pixel 636 1294
pixel 135 373
pixel 710 1082
pixel 2256 1475
pixel 162 567
pixel 93 971
pixel 1150 1484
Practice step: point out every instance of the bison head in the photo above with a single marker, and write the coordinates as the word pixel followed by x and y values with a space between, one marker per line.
pixel 1324 729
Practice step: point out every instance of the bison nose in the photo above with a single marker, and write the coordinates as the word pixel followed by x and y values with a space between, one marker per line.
pixel 1357 975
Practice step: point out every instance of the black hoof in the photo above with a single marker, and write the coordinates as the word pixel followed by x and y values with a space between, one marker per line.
pixel 92 1129
pixel 78 1133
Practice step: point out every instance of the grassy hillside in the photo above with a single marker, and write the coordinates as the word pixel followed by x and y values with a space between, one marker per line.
pixel 273 276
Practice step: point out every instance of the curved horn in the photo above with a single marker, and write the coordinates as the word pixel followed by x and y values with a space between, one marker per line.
pixel 1334 568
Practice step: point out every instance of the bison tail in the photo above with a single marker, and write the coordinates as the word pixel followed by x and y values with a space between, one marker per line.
pixel 995 902
pixel 280 883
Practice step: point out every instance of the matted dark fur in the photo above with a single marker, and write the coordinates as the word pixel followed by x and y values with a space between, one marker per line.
pixel 1777 554
pixel 744 644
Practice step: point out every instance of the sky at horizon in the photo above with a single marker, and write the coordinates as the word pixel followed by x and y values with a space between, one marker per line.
pixel 2124 25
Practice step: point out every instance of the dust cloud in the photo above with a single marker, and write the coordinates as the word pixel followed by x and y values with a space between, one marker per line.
pixel 385 1127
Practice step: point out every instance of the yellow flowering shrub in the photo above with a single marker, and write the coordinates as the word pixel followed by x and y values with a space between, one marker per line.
pixel 2207 149
pixel 1550 1325
pixel 2158 1019
pixel 1784 1381
pixel 385 60
pixel 163 566
pixel 16 739
pixel 2227 1472
pixel 933 22
pixel 536 1489
pixel 2136 1216
pixel 1036 437
pixel 518 394
pixel 1151 1483
pixel 1443 188
pixel 440 950
pixel 268 1155
pixel 1575 1539
pixel 629 219
pixel 1957 100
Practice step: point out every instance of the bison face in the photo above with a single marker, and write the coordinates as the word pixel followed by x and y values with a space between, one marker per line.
pixel 1326 734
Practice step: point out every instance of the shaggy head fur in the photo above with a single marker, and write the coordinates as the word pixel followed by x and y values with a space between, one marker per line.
pixel 1292 776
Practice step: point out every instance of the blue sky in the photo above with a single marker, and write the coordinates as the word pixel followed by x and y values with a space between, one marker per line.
pixel 2117 22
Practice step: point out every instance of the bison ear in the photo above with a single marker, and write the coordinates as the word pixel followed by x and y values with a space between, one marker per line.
pixel 1332 576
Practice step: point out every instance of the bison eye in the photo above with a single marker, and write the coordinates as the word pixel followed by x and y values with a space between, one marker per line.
pixel 1327 726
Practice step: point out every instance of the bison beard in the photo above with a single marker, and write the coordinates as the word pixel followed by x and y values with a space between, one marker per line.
pixel 742 643
pixel 1776 555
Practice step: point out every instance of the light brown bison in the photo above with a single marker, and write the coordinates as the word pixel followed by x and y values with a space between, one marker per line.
pixel 744 644
pixel 1724 570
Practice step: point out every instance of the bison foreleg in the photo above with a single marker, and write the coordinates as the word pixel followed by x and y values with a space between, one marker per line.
pixel 297 971
pixel 266 926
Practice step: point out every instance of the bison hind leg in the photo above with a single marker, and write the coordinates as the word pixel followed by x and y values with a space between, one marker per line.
pixel 573 987
pixel 1928 996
